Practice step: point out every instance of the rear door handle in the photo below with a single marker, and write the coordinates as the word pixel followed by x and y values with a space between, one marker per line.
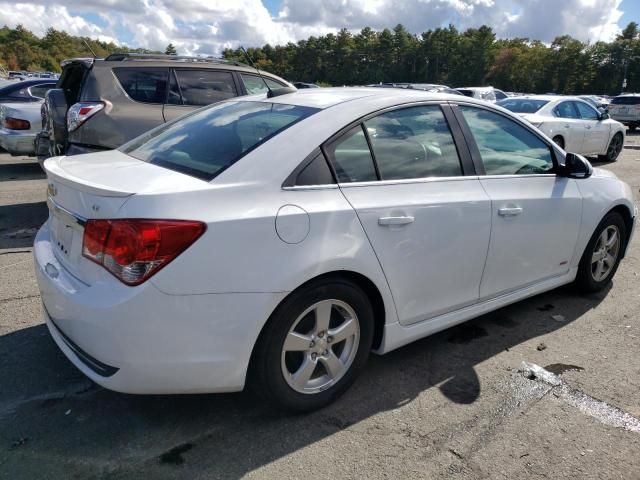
pixel 509 211
pixel 566 126
pixel 395 220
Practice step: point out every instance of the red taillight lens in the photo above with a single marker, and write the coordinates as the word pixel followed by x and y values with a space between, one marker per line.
pixel 134 250
pixel 16 124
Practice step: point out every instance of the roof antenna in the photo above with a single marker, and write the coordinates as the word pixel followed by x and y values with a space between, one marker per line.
pixel 89 47
pixel 270 93
pixel 259 72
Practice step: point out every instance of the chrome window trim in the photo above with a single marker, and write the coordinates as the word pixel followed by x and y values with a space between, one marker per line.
pixel 327 186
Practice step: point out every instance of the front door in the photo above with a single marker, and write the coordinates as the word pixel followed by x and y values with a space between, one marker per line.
pixel 596 139
pixel 535 215
pixel 428 224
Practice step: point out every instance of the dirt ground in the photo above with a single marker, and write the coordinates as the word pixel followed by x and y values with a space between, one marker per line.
pixel 452 405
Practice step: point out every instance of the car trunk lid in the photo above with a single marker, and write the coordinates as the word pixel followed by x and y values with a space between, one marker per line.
pixel 96 186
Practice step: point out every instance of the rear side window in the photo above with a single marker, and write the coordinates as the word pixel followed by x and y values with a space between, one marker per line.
pixel 522 105
pixel 413 143
pixel 255 84
pixel 351 157
pixel 566 110
pixel 207 142
pixel 40 90
pixel 626 100
pixel 507 148
pixel 204 87
pixel 146 85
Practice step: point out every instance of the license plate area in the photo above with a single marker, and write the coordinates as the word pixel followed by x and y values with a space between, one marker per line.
pixel 62 234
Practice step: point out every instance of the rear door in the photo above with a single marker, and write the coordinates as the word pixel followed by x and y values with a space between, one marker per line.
pixel 535 214
pixel 572 128
pixel 190 89
pixel 428 223
pixel 596 137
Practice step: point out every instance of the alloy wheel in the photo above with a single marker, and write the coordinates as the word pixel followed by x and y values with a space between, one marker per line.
pixel 605 253
pixel 614 147
pixel 320 347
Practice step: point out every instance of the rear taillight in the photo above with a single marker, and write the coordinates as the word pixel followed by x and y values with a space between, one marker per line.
pixel 134 250
pixel 81 112
pixel 16 124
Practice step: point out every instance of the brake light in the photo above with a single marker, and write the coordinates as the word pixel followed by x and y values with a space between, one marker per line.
pixel 134 250
pixel 16 124
pixel 81 112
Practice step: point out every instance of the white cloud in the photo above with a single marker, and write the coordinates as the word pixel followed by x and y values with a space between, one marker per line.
pixel 208 26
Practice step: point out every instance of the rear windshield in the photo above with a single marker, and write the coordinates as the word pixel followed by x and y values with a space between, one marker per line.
pixel 626 101
pixel 210 140
pixel 522 105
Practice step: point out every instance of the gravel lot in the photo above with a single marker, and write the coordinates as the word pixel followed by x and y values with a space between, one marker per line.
pixel 452 405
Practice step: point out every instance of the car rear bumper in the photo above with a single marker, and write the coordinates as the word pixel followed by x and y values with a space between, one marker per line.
pixel 18 142
pixel 141 340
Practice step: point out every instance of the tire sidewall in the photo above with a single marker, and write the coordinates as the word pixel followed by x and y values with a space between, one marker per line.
pixel 584 278
pixel 613 159
pixel 272 341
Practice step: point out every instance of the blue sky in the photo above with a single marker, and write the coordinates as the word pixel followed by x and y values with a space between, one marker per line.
pixel 209 26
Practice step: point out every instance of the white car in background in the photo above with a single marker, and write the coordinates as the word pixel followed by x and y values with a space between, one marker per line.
pixel 20 122
pixel 278 240
pixel 574 124
pixel 488 94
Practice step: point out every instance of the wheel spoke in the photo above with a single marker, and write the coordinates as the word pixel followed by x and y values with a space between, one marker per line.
pixel 332 364
pixel 344 331
pixel 609 260
pixel 303 374
pixel 323 316
pixel 613 239
pixel 597 256
pixel 296 342
pixel 599 269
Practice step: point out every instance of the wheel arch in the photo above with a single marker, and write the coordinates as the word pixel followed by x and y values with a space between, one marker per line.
pixel 367 285
pixel 627 216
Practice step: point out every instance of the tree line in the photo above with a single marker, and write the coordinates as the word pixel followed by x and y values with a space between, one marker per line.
pixel 473 57
pixel 20 49
pixel 444 55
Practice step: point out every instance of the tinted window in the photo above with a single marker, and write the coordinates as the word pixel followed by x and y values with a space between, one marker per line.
pixel 566 110
pixel 507 148
pixel 254 83
pixel 587 112
pixel 316 173
pixel 413 143
pixel 204 87
pixel 351 157
pixel 627 100
pixel 522 105
pixel 175 97
pixel 207 142
pixel 147 85
pixel 500 95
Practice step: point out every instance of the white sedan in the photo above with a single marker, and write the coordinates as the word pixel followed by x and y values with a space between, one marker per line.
pixel 277 241
pixel 19 124
pixel 574 124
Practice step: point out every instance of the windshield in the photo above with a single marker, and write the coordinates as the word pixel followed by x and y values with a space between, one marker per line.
pixel 522 105
pixel 207 142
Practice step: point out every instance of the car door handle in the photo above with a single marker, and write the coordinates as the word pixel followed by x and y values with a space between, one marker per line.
pixel 395 220
pixel 588 127
pixel 509 211
pixel 566 126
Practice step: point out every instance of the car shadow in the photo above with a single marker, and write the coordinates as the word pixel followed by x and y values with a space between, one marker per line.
pixel 20 222
pixel 21 171
pixel 53 419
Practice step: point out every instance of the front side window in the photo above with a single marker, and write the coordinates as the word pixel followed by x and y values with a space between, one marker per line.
pixel 207 142
pixel 255 84
pixel 204 87
pixel 144 84
pixel 566 110
pixel 587 112
pixel 506 147
pixel 351 157
pixel 413 142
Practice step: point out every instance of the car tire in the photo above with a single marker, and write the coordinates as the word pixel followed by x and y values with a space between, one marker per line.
pixel 590 277
pixel 294 362
pixel 614 149
pixel 558 140
pixel 633 127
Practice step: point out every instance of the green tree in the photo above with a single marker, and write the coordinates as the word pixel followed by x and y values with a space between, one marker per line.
pixel 170 50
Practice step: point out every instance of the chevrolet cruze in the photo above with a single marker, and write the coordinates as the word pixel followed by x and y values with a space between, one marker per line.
pixel 276 241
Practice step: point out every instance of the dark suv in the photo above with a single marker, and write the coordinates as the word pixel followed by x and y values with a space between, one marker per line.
pixel 101 104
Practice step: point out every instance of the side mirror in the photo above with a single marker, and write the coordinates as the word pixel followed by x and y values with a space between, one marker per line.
pixel 576 166
pixel 603 115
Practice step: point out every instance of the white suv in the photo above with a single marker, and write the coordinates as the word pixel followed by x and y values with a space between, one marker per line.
pixel 626 109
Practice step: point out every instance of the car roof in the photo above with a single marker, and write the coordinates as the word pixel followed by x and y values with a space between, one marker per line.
pixel 327 97
pixel 548 98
